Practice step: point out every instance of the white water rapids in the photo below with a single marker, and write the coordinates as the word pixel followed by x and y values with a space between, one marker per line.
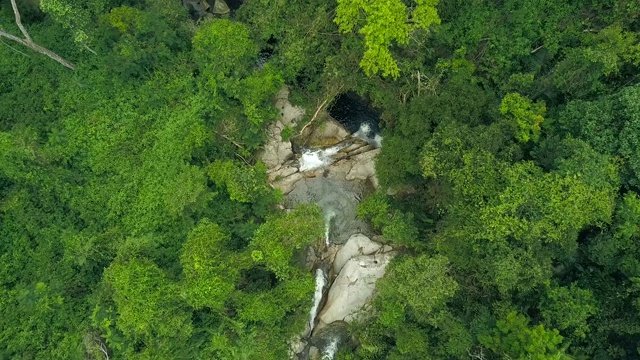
pixel 327 226
pixel 365 132
pixel 338 205
pixel 315 159
pixel 330 350
pixel 321 281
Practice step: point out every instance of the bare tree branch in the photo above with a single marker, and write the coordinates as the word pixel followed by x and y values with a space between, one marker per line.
pixel 314 115
pixel 232 141
pixel 28 42
pixel 103 348
pixel 90 49
pixel 331 96
pixel 536 49
pixel 479 355
pixel 19 21
pixel 14 49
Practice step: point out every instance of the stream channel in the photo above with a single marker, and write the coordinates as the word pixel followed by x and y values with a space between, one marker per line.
pixel 346 263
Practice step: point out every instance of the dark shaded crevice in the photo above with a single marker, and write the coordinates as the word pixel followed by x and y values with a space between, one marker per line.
pixel 352 110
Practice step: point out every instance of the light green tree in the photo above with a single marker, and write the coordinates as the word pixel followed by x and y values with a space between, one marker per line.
pixel 75 15
pixel 569 308
pixel 526 115
pixel 383 24
pixel 210 270
pixel 276 240
pixel 148 306
pixel 226 55
pixel 602 54
pixel 243 183
pixel 515 217
pixel 415 288
pixel 513 338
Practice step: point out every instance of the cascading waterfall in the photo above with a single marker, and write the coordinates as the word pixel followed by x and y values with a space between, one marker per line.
pixel 377 140
pixel 321 281
pixel 334 204
pixel 365 133
pixel 315 159
pixel 338 198
pixel 330 351
pixel 327 226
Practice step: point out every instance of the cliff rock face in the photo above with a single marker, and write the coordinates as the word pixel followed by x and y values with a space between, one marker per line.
pixel 206 8
pixel 360 166
pixel 338 200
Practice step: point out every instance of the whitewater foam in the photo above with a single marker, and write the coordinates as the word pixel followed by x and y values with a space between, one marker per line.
pixel 365 132
pixel 327 226
pixel 316 159
pixel 331 350
pixel 321 281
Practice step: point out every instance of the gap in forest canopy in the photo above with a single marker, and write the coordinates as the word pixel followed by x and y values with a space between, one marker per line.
pixel 267 51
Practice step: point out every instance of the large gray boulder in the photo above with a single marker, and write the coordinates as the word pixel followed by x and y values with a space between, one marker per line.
pixel 328 132
pixel 354 288
pixel 358 244
pixel 358 166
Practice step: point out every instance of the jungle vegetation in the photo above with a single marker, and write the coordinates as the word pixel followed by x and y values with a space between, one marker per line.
pixel 137 223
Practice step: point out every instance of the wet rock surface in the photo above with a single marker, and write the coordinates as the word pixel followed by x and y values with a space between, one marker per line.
pixel 340 156
pixel 326 342
pixel 354 162
pixel 338 199
pixel 357 245
pixel 206 8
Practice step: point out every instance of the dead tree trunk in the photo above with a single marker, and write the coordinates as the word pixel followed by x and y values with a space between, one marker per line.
pixel 28 42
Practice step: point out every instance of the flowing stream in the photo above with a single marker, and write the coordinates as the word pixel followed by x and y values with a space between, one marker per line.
pixel 338 200
pixel 366 133
pixel 329 352
pixel 327 226
pixel 321 282
pixel 316 159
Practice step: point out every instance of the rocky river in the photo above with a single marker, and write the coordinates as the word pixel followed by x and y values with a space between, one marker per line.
pixel 350 259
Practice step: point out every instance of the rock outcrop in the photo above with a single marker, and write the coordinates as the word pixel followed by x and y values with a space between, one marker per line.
pixel 351 163
pixel 360 166
pixel 354 287
pixel 338 200
pixel 277 151
pixel 357 245
pixel 327 133
pixel 354 161
pixel 205 8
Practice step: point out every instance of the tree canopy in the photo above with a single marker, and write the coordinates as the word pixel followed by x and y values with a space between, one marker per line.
pixel 137 221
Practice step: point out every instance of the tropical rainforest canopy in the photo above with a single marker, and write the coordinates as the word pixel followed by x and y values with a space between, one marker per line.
pixel 137 223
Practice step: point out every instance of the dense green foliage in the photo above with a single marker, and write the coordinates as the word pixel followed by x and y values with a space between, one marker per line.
pixel 136 220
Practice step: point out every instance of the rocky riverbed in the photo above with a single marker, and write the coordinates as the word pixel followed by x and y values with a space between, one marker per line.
pixel 335 175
